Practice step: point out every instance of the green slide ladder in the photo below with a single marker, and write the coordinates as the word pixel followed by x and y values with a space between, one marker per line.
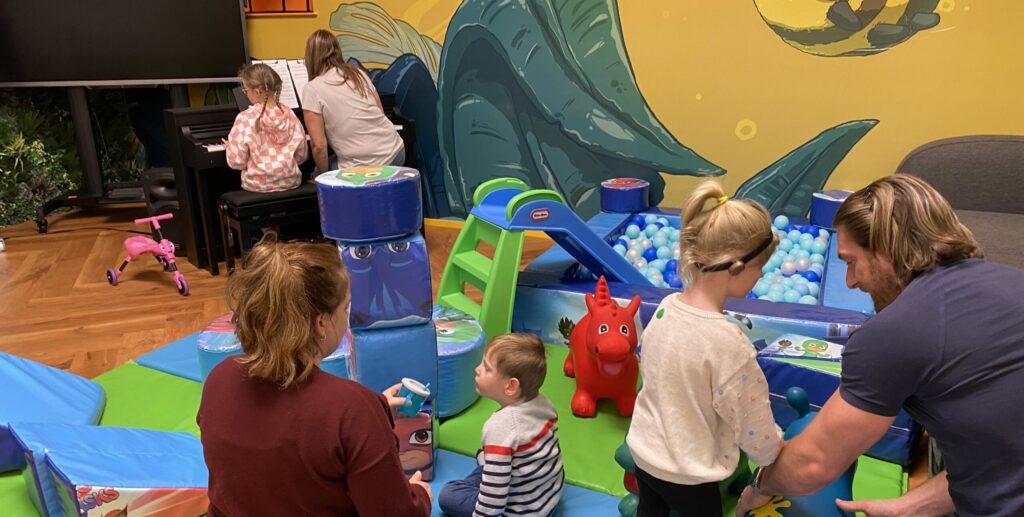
pixel 495 276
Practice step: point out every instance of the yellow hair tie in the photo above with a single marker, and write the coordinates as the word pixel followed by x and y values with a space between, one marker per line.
pixel 722 200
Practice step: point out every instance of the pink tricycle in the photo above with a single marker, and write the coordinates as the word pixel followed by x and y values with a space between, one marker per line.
pixel 163 251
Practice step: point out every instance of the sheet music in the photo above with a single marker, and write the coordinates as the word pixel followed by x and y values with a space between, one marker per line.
pixel 299 76
pixel 288 96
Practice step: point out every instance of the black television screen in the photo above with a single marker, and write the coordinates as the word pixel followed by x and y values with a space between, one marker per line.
pixel 117 42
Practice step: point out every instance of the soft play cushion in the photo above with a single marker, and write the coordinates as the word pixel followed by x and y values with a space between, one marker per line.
pixel 369 203
pixel 216 343
pixel 385 356
pixel 389 281
pixel 460 347
pixel 819 377
pixel 92 483
pixel 39 440
pixel 34 392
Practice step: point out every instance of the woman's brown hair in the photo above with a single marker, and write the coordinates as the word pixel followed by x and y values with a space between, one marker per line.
pixel 277 296
pixel 324 53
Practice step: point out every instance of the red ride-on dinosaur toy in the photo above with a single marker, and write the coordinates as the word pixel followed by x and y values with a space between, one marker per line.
pixel 602 354
pixel 163 250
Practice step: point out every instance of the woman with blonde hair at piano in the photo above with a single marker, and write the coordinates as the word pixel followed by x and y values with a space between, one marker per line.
pixel 342 109
pixel 267 142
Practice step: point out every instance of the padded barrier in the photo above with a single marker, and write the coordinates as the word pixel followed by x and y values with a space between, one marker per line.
pixel 389 282
pixel 384 356
pixel 460 348
pixel 170 482
pixel 360 204
pixel 34 392
pixel 38 440
pixel 820 379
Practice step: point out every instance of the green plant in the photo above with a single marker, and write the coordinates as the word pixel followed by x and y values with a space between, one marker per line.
pixel 38 157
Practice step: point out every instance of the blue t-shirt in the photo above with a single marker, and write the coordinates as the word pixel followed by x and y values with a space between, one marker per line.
pixel 950 350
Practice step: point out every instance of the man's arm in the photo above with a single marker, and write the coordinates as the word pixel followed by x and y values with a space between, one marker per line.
pixel 317 138
pixel 931 498
pixel 816 457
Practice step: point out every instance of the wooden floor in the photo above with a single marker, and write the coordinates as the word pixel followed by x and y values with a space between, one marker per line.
pixel 57 308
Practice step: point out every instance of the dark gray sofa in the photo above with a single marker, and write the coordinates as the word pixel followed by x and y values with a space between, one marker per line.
pixel 983 178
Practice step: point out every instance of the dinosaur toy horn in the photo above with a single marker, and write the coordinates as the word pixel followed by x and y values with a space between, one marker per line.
pixel 602 295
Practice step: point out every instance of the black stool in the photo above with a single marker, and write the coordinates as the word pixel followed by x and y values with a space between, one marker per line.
pixel 242 212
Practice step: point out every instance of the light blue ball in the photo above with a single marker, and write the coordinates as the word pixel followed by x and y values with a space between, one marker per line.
pixel 781 222
pixel 659 240
pixel 658 264
pixel 817 258
pixel 785 245
pixel 791 296
pixel 775 262
pixel 650 219
pixel 771 297
pixel 650 230
pixel 787 282
pixel 824 233
pixel 813 289
pixel 760 289
pixel 801 288
pixel 819 245
pixel 655 278
pixel 808 300
pixel 793 235
pixel 803 254
pixel 777 288
pixel 663 221
pixel 674 236
pixel 664 252
pixel 632 231
pixel 620 249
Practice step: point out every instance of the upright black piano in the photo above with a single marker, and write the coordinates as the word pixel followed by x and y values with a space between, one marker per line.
pixel 202 175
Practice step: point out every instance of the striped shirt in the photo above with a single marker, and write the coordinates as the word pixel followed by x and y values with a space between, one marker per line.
pixel 522 462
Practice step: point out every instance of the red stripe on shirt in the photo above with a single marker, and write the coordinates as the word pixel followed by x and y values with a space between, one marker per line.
pixel 507 451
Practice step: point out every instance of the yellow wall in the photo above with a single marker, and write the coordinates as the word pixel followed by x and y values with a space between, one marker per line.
pixel 704 66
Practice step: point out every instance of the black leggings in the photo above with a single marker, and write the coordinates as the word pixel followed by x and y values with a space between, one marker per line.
pixel 658 497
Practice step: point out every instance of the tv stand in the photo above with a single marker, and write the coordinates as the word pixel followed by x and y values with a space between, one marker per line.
pixel 94 192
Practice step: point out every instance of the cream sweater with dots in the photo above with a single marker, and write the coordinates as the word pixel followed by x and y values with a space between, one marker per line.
pixel 703 399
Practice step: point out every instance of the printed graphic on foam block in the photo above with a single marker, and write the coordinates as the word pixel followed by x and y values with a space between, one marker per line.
pixel 794 345
pixel 143 502
pixel 217 342
pixel 385 356
pixel 460 347
pixel 416 444
pixel 34 392
pixel 369 203
pixel 389 282
pixel 36 440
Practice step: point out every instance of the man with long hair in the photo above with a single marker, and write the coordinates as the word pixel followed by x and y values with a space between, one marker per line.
pixel 946 344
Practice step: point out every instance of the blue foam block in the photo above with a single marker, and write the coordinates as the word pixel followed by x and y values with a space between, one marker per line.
pixel 369 203
pixel 34 392
pixel 385 356
pixel 389 282
pixel 460 347
pixel 216 343
pixel 625 195
pixel 895 446
pixel 576 501
pixel 39 440
pixel 176 358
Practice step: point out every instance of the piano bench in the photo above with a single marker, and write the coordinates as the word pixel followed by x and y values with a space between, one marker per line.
pixel 243 212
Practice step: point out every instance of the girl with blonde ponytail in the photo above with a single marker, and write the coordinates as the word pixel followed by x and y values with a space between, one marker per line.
pixel 704 398
pixel 267 142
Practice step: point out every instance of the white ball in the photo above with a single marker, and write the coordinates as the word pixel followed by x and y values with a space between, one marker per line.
pixel 788 267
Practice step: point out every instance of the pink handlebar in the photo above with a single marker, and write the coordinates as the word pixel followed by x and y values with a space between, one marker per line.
pixel 154 219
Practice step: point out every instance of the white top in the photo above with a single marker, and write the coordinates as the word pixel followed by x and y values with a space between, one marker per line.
pixel 356 127
pixel 521 459
pixel 703 398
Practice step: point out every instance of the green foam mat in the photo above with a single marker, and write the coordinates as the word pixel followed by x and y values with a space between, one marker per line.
pixel 588 444
pixel 143 397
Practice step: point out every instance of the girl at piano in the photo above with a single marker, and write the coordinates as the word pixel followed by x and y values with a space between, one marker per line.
pixel 267 142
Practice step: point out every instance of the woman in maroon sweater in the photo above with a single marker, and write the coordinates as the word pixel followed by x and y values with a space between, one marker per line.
pixel 280 436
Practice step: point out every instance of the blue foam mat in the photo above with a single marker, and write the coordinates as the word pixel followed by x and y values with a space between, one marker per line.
pixel 449 466
pixel 178 358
